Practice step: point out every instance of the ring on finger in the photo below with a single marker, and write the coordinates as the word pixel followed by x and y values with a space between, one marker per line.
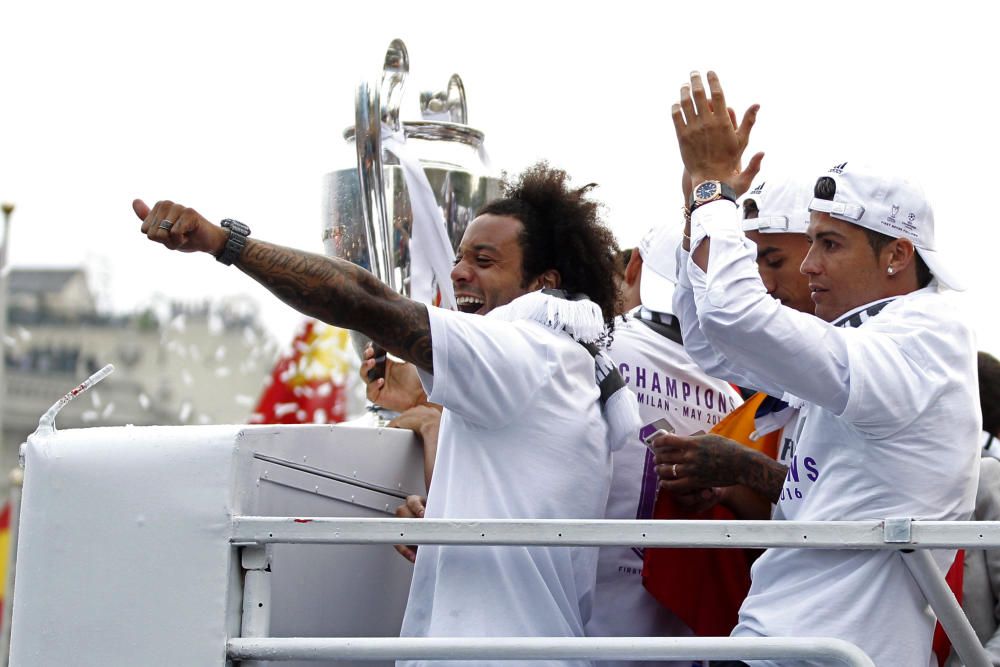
pixel 673 471
pixel 165 225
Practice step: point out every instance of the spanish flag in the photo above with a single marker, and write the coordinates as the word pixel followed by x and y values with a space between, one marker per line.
pixel 309 384
pixel 705 587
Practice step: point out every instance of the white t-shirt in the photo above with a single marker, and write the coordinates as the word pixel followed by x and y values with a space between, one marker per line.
pixel 668 384
pixel 889 429
pixel 521 437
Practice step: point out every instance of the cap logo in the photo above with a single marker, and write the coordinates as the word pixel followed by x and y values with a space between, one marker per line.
pixel 838 168
pixel 759 189
pixel 892 214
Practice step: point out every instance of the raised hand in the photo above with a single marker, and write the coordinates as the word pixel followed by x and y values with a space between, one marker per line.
pixel 710 141
pixel 179 228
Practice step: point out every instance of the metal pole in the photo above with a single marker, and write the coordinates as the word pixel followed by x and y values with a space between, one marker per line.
pixel 931 582
pixel 547 648
pixel 7 208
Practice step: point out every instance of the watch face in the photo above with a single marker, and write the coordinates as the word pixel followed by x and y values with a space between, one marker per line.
pixel 706 190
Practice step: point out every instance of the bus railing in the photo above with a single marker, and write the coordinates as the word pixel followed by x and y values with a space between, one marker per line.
pixel 911 538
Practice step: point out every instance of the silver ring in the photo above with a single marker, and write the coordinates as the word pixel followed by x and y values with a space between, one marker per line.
pixel 165 225
pixel 673 471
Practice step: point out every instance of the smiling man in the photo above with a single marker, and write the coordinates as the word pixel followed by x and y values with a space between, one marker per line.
pixel 890 418
pixel 522 434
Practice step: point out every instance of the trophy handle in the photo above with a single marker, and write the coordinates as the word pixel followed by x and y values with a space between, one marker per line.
pixel 447 105
pixel 456 100
pixel 394 71
pixel 370 114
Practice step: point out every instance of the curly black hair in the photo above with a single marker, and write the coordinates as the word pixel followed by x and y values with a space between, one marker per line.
pixel 563 230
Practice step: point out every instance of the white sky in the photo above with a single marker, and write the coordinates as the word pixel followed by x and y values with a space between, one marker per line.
pixel 237 109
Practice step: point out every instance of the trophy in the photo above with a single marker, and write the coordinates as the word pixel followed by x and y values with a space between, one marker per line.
pixel 427 176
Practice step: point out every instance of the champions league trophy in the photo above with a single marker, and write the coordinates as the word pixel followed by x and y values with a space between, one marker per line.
pixel 402 209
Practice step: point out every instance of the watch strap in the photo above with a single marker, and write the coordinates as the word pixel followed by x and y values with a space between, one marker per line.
pixel 723 192
pixel 238 233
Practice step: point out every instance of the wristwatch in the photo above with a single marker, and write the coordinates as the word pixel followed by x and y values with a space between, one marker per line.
pixel 238 233
pixel 708 191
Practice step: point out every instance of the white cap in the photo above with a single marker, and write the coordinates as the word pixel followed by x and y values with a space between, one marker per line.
pixel 782 206
pixel 658 250
pixel 890 205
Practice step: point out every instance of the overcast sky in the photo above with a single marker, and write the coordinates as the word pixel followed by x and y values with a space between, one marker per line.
pixel 237 109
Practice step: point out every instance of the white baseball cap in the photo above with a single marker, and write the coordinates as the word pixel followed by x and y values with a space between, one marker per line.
pixel 658 249
pixel 891 205
pixel 782 206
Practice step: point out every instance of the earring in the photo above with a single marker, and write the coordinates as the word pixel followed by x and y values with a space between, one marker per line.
pixel 890 270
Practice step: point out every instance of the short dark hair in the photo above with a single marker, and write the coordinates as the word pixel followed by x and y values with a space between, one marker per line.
pixel 826 188
pixel 989 392
pixel 562 230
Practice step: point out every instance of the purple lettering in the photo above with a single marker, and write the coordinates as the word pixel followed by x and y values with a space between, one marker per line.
pixel 656 382
pixel 623 369
pixel 810 465
pixel 793 468
pixel 685 391
pixel 671 387
pixel 640 377
pixel 709 399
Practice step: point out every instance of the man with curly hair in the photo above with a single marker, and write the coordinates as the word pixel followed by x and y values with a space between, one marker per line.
pixel 522 434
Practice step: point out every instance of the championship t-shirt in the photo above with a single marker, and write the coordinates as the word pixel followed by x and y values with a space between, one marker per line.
pixel 668 385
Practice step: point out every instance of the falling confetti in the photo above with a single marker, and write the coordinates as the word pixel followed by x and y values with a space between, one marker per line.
pixel 282 409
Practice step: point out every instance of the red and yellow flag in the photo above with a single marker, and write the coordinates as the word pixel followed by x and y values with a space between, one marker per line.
pixel 309 383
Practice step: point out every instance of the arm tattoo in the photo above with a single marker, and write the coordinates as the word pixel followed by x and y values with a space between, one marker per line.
pixel 338 292
pixel 763 474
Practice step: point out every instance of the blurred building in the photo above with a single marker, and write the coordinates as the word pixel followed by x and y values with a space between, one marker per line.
pixel 190 363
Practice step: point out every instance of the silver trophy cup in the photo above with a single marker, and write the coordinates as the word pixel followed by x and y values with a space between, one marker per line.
pixel 368 218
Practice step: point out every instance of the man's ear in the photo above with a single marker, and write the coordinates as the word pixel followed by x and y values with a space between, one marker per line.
pixel 898 256
pixel 550 279
pixel 634 267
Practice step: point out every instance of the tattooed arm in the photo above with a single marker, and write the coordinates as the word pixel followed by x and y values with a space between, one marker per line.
pixel 685 464
pixel 328 289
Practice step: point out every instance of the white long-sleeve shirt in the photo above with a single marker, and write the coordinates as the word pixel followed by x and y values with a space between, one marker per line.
pixel 889 429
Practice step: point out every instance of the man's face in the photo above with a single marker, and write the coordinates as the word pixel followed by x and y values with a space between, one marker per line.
pixel 488 265
pixel 842 270
pixel 779 257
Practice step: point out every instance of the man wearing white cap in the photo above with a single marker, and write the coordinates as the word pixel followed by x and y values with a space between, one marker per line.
pixel 890 418
pixel 669 386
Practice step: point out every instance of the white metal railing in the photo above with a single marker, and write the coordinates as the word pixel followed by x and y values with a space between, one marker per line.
pixel 550 648
pixel 910 538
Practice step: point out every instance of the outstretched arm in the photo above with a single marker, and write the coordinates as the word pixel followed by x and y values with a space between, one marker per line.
pixel 332 290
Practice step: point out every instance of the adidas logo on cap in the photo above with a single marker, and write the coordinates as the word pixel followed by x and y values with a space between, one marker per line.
pixel 759 189
pixel 838 168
